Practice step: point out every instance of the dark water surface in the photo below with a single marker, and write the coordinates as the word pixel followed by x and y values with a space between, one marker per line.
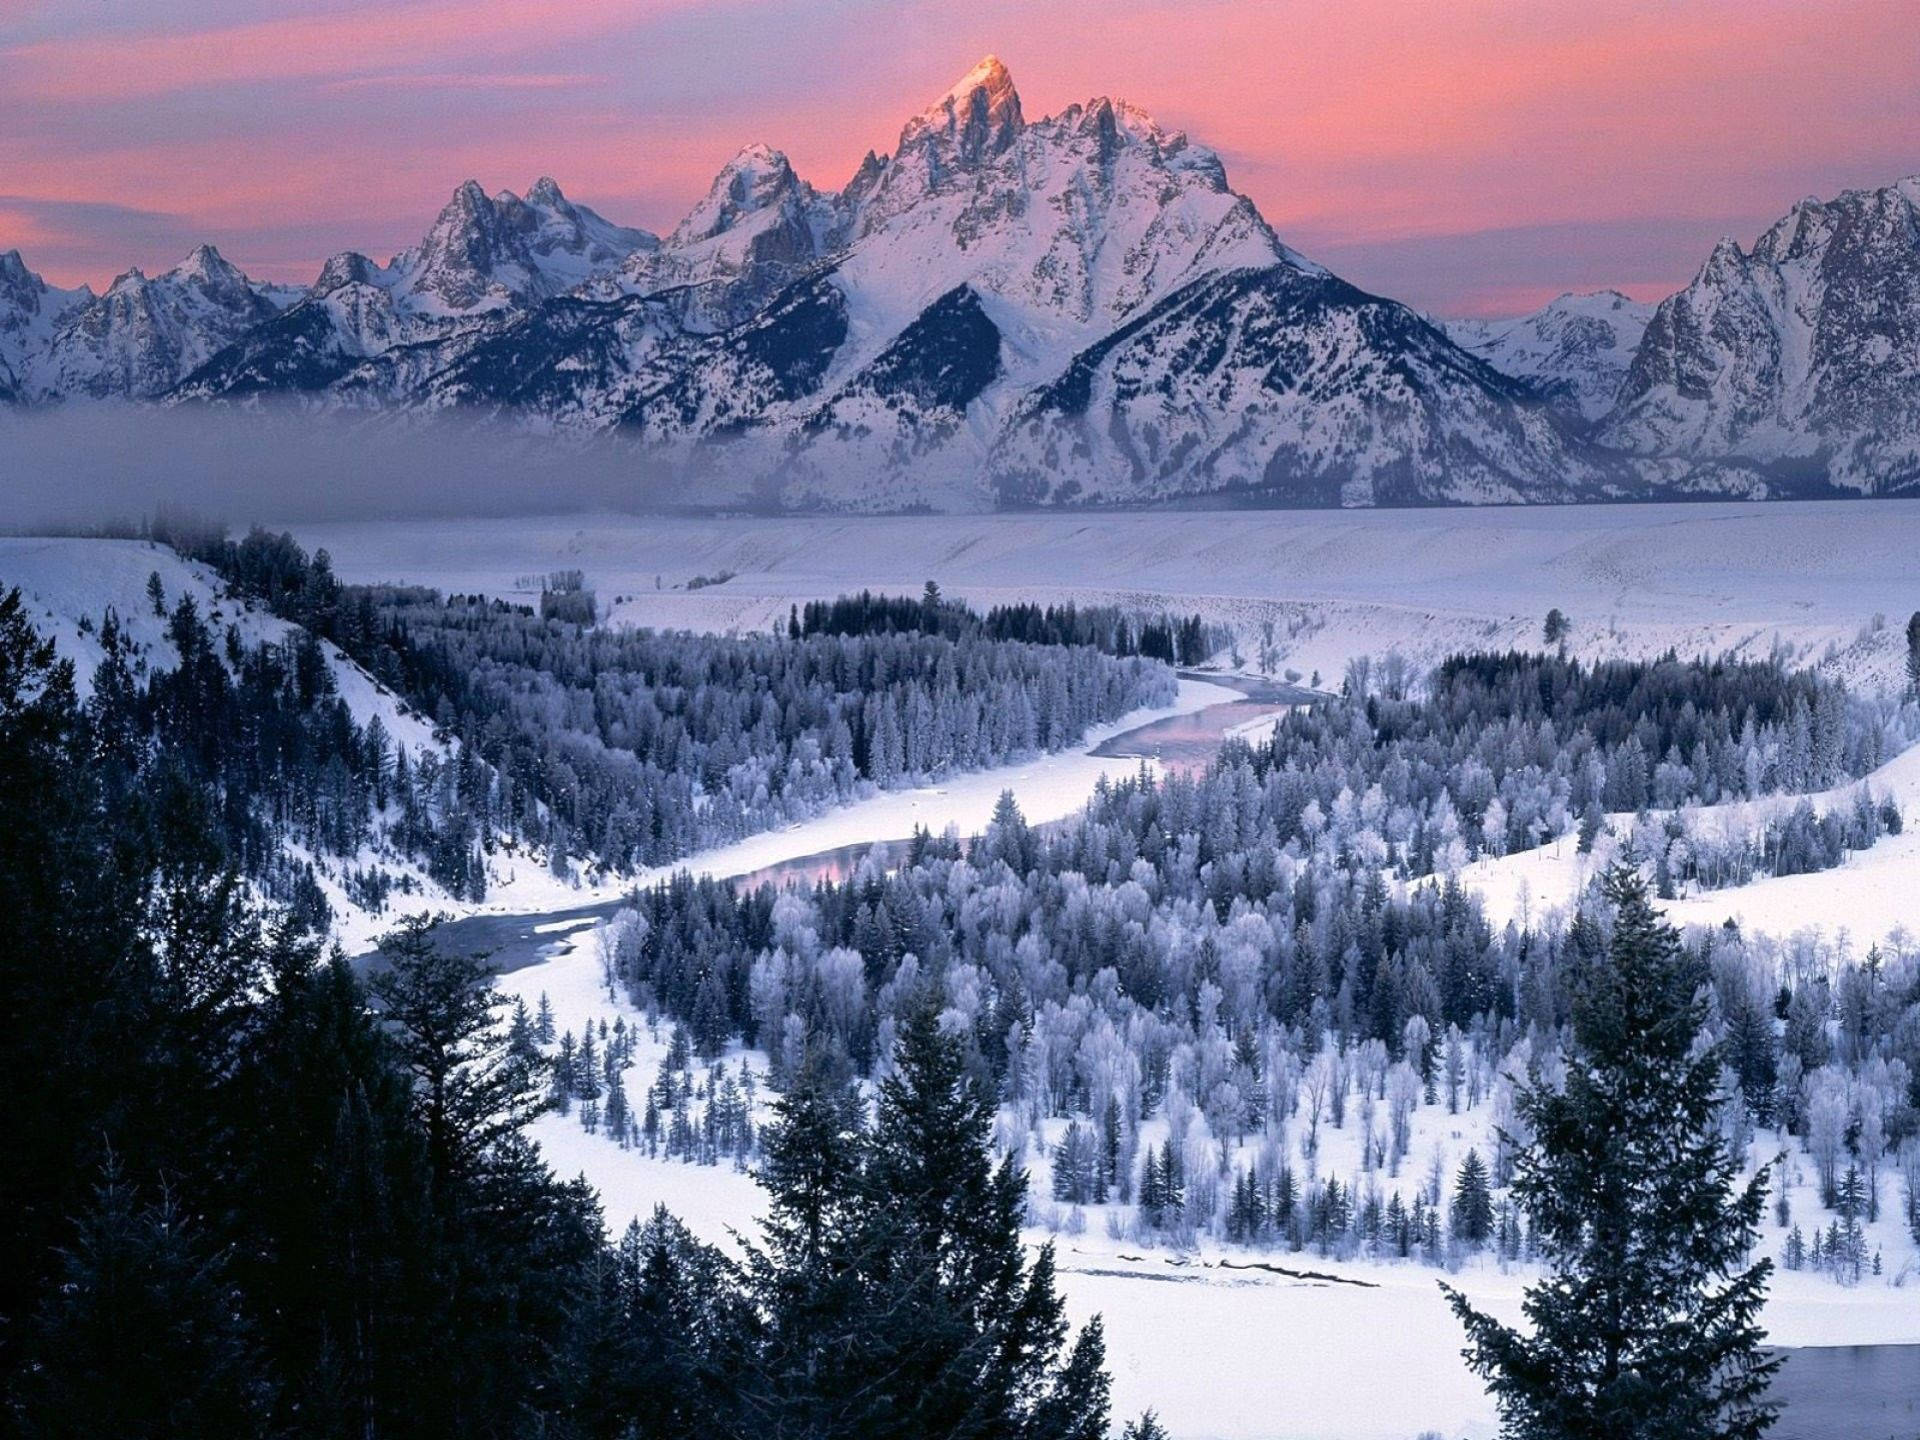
pixel 1849 1392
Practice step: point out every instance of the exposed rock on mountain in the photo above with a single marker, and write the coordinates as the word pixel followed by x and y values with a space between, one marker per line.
pixel 1795 366
pixel 145 334
pixel 1574 351
pixel 485 261
pixel 1288 386
pixel 759 227
pixel 1004 310
pixel 30 311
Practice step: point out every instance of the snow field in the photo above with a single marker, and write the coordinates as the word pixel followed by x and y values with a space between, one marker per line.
pixel 1808 579
pixel 1871 897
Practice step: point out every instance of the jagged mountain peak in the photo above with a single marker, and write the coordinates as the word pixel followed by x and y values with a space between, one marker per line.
pixel 755 179
pixel 486 253
pixel 14 271
pixel 1797 361
pixel 208 270
pixel 1072 307
pixel 1573 351
pixel 349 267
pixel 26 298
pixel 976 119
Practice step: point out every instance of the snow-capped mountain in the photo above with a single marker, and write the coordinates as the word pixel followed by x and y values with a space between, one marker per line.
pixel 30 311
pixel 924 324
pixel 758 227
pixel 147 333
pixel 1574 350
pixel 485 259
pixel 1283 385
pixel 1072 309
pixel 1793 366
pixel 487 253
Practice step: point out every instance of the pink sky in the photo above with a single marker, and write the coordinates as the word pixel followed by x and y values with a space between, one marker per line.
pixel 1467 156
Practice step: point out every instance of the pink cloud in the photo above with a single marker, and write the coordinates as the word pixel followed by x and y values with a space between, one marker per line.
pixel 321 46
pixel 1372 123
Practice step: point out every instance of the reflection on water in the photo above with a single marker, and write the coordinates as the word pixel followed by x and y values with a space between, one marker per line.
pixel 1187 744
pixel 1184 743
pixel 835 865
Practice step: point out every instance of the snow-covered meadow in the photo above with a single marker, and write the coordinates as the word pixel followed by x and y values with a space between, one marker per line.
pixel 1807 578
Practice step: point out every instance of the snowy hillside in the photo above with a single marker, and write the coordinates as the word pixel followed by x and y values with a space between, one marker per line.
pixel 1287 386
pixel 1807 579
pixel 70 586
pixel 1575 350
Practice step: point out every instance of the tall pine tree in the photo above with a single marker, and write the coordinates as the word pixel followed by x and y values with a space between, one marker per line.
pixel 1646 1327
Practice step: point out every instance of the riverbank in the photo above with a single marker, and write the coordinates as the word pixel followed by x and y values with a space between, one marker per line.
pixel 1048 787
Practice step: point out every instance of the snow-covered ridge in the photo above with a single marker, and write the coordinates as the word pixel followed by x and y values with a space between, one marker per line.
pixel 1797 361
pixel 70 585
pixel 1008 311
pixel 1575 349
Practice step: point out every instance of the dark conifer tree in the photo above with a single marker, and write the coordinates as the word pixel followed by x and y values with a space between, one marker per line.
pixel 145 1336
pixel 958 1335
pixel 1647 1325
pixel 1472 1202
pixel 803 1276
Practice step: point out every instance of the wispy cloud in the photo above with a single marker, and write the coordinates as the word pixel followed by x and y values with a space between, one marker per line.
pixel 334 45
pixel 1458 154
pixel 454 80
pixel 90 233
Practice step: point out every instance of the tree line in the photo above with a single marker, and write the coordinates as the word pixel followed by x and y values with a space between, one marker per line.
pixel 1176 639
pixel 617 750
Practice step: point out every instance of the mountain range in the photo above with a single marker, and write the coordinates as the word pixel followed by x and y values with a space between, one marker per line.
pixel 1002 311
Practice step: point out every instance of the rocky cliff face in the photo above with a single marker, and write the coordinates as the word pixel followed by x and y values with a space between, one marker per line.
pixel 1793 366
pixel 145 334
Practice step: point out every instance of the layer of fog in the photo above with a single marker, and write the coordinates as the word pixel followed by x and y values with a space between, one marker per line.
pixel 86 465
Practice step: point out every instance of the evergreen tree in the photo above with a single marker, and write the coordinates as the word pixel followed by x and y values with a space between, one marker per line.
pixel 933 1323
pixel 145 1336
pixel 1147 1427
pixel 1472 1202
pixel 675 1337
pixel 543 1021
pixel 1647 1325
pixel 442 1006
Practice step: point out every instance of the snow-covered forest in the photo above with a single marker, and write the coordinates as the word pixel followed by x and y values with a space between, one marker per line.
pixel 1258 1009
pixel 615 750
pixel 1209 1006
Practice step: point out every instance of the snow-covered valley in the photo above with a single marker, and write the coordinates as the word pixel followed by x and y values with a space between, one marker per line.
pixel 1807 579
pixel 1239 1342
pixel 1247 1352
